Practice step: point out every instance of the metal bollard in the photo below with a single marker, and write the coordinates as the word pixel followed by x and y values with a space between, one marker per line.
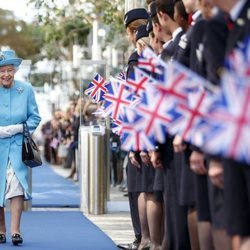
pixel 96 170
pixel 84 135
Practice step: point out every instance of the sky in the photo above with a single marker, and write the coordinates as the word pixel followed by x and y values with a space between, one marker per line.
pixel 22 11
pixel 19 7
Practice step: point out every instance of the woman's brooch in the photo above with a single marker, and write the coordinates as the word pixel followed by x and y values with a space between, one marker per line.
pixel 20 90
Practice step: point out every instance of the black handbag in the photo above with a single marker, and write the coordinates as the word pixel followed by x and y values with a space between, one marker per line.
pixel 30 153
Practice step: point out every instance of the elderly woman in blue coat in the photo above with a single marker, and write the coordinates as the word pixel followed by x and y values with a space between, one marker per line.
pixel 17 105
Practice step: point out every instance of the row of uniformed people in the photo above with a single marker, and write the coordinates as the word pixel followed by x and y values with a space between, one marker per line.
pixel 209 39
pixel 177 233
pixel 186 193
pixel 200 212
pixel 161 40
pixel 145 206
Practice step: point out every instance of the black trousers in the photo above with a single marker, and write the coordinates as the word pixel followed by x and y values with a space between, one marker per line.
pixel 176 215
pixel 133 204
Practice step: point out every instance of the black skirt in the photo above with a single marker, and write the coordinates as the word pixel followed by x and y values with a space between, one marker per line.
pixel 159 180
pixel 145 178
pixel 132 177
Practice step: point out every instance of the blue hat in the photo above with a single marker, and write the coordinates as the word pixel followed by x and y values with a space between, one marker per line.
pixel 152 10
pixel 135 14
pixel 9 57
pixel 141 32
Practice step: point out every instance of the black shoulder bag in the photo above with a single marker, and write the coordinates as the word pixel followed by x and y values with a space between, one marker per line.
pixel 30 153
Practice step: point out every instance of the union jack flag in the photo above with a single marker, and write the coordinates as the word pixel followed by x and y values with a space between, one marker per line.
pixel 238 61
pixel 150 62
pixel 193 116
pixel 134 139
pixel 117 97
pixel 156 112
pixel 231 137
pixel 138 81
pixel 97 88
pixel 153 65
pixel 180 82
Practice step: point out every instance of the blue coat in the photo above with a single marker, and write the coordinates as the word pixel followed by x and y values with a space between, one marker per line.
pixel 17 105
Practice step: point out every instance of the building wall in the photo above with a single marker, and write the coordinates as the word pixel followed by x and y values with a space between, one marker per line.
pixel 131 4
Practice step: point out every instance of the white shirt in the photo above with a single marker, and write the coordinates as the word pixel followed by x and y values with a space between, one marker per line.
pixel 195 16
pixel 165 45
pixel 176 32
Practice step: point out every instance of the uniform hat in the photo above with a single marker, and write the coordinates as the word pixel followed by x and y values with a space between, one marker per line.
pixel 141 32
pixel 152 8
pixel 135 14
pixel 9 57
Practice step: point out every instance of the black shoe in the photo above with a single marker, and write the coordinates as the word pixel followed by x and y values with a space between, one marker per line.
pixel 2 238
pixel 130 246
pixel 16 239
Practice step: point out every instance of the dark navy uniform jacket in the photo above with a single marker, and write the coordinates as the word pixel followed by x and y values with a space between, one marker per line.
pixel 132 61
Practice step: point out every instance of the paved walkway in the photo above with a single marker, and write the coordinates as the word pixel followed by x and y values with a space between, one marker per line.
pixel 116 225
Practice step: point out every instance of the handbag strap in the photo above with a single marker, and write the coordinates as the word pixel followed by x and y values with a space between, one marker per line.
pixel 26 132
pixel 27 137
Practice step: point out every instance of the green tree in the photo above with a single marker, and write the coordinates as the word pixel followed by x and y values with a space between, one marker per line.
pixel 25 39
pixel 61 27
pixel 65 25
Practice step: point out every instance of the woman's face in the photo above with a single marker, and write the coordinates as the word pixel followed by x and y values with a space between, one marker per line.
pixel 7 75
pixel 155 44
pixel 131 36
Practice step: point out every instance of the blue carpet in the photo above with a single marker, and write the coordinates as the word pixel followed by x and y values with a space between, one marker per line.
pixel 52 190
pixel 59 231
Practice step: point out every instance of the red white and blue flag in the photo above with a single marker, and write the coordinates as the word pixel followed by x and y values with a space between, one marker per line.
pixel 180 82
pixel 133 138
pixel 138 81
pixel 156 112
pixel 97 88
pixel 116 98
pixel 230 123
pixel 153 65
pixel 193 116
pixel 232 116
pixel 150 62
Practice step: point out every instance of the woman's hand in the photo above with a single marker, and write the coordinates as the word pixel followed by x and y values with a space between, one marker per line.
pixel 145 157
pixel 10 130
pixel 197 163
pixel 14 129
pixel 178 144
pixel 156 159
pixel 216 173
pixel 133 159
pixel 4 133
